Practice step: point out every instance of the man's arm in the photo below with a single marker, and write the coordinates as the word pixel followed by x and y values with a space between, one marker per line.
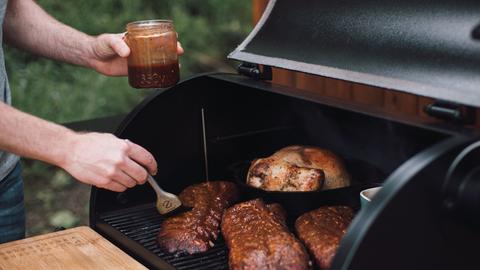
pixel 93 158
pixel 28 27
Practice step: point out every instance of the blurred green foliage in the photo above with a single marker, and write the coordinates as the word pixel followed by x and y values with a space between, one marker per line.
pixel 208 30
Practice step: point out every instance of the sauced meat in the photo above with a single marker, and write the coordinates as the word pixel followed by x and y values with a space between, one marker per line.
pixel 258 238
pixel 322 229
pixel 196 230
pixel 298 168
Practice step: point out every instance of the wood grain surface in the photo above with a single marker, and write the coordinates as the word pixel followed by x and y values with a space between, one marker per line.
pixel 77 248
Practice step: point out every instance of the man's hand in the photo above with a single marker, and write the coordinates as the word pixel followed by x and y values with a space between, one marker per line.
pixel 105 161
pixel 98 159
pixel 109 54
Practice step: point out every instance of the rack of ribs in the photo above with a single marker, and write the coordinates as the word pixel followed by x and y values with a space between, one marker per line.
pixel 258 238
pixel 321 231
pixel 196 230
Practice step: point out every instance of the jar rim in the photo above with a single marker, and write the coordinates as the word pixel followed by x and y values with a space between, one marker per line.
pixel 148 22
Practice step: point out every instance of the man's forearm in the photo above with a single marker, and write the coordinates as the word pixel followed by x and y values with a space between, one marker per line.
pixel 98 159
pixel 28 27
pixel 32 137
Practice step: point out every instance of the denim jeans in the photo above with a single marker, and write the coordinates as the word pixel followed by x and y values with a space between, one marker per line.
pixel 12 208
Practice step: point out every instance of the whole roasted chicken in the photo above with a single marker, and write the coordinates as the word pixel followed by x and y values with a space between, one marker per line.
pixel 298 168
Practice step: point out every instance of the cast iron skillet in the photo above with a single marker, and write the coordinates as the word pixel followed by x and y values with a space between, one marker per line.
pixel 363 175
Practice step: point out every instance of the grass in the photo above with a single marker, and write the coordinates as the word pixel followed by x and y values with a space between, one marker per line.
pixel 208 30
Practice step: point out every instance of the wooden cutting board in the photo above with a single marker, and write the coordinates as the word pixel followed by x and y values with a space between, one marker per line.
pixel 77 248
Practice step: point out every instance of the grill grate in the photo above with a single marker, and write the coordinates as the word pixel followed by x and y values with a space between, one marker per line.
pixel 142 223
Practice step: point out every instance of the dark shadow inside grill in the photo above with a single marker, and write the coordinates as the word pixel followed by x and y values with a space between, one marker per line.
pixel 244 121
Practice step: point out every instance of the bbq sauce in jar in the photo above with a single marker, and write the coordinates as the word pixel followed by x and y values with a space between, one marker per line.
pixel 153 59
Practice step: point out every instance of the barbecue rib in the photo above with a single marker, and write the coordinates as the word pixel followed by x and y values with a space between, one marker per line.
pixel 322 229
pixel 194 231
pixel 258 238
pixel 298 168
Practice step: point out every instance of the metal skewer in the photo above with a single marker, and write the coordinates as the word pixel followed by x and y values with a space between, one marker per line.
pixel 204 137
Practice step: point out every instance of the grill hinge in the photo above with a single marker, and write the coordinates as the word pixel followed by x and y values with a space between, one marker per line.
pixel 451 112
pixel 254 71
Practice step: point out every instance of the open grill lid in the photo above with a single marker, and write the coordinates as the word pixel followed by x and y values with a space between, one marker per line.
pixel 429 48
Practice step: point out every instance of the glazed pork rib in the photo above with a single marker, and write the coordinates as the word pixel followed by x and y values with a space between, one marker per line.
pixel 321 230
pixel 196 230
pixel 258 238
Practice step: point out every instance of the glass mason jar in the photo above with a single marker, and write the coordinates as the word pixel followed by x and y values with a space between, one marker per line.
pixel 153 59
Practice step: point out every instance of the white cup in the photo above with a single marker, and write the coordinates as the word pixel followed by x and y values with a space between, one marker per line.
pixel 367 195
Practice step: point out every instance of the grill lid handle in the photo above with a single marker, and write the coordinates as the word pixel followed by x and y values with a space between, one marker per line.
pixel 451 112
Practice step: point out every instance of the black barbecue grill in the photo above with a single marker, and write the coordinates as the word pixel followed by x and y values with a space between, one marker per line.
pixel 425 216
